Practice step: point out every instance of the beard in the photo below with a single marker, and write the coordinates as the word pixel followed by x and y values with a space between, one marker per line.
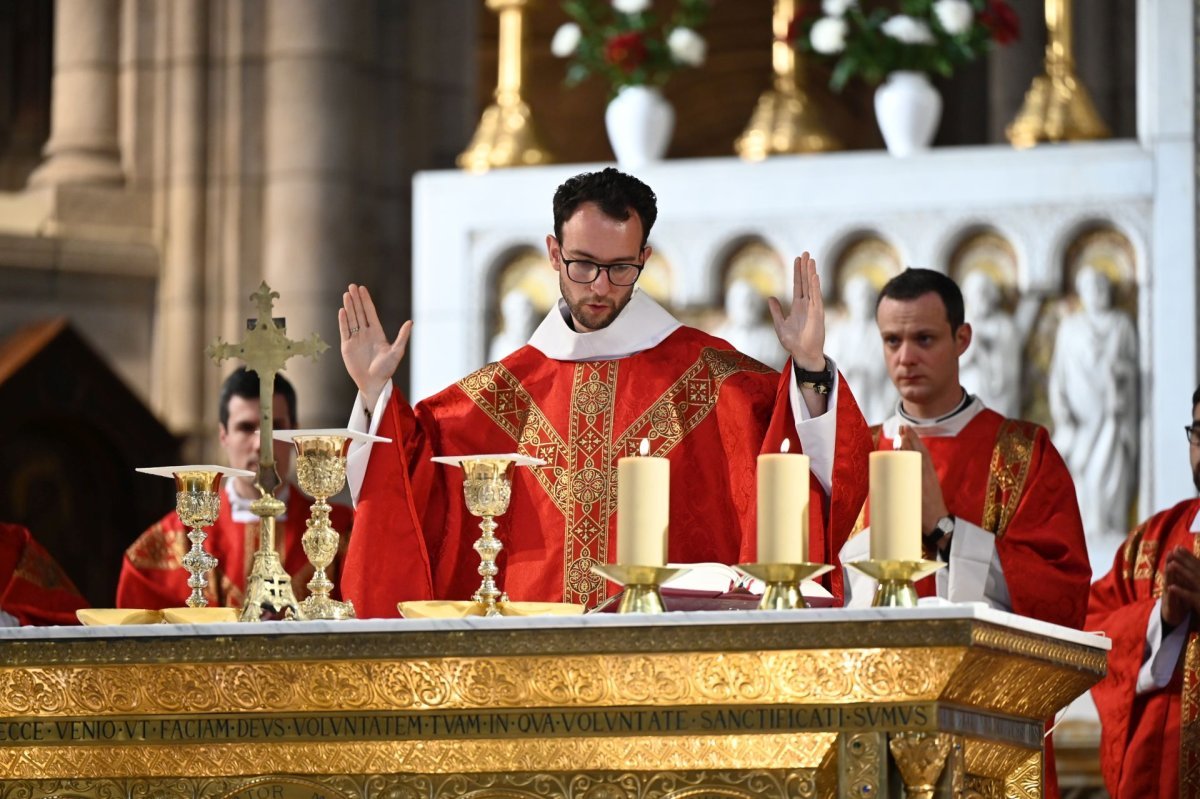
pixel 1196 476
pixel 594 320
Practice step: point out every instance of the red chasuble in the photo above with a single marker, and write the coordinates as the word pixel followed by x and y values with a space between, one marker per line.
pixel 35 588
pixel 153 577
pixel 1004 476
pixel 1150 744
pixel 708 409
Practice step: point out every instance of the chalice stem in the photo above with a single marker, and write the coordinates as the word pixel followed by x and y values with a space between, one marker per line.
pixel 488 547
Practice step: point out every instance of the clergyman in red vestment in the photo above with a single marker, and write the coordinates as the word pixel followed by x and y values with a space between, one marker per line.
pixel 607 369
pixel 1149 604
pixel 152 574
pixel 997 502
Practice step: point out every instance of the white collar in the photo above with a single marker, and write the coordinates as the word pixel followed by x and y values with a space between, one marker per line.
pixel 642 324
pixel 239 506
pixel 946 426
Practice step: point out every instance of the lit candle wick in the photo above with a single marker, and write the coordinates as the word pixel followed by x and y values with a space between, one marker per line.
pixel 898 440
pixel 787 445
pixel 644 448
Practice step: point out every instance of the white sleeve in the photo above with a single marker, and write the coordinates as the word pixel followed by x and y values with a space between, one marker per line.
pixel 359 452
pixel 974 573
pixel 859 589
pixel 817 433
pixel 1161 653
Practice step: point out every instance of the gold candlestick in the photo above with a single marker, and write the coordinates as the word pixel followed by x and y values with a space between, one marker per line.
pixel 265 350
pixel 897 580
pixel 1057 107
pixel 506 135
pixel 487 488
pixel 782 591
pixel 785 119
pixel 198 504
pixel 321 472
pixel 641 584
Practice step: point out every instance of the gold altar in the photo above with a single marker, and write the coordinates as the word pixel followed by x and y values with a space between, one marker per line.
pixel 804 703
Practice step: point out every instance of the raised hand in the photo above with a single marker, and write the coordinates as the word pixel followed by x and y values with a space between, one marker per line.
pixel 933 501
pixel 801 329
pixel 1181 587
pixel 370 358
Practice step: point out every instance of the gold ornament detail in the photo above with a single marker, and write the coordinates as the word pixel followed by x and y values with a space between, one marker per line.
pixel 921 758
pixel 864 775
pixel 1057 107
pixel 506 135
pixel 786 119
pixel 1026 781
pixel 321 471
pixel 467 756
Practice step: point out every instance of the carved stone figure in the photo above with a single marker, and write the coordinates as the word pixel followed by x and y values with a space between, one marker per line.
pixel 746 326
pixel 518 320
pixel 854 342
pixel 991 366
pixel 1093 402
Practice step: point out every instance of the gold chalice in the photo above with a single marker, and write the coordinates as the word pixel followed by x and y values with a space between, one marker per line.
pixel 487 488
pixel 321 472
pixel 896 580
pixel 198 503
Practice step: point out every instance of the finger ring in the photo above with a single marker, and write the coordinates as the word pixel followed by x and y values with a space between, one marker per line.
pixel 353 330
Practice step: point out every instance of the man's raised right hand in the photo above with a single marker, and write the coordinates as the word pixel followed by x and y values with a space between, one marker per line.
pixel 370 359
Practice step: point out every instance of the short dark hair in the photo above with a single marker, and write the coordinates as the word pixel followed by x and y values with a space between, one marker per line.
pixel 1196 397
pixel 615 192
pixel 243 383
pixel 913 283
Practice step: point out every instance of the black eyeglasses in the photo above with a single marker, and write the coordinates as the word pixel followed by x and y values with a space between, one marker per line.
pixel 1193 434
pixel 582 271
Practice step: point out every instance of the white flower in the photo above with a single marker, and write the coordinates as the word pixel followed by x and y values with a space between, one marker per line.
pixel 908 30
pixel 955 16
pixel 565 40
pixel 837 8
pixel 687 46
pixel 631 6
pixel 829 35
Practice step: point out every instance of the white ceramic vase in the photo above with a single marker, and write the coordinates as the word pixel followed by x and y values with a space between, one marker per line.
pixel 908 110
pixel 639 122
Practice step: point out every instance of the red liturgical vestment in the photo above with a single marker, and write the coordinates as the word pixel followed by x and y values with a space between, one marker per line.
pixel 707 408
pixel 33 587
pixel 1150 743
pixel 153 577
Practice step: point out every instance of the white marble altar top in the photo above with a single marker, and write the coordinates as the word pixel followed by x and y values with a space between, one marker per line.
pixel 683 618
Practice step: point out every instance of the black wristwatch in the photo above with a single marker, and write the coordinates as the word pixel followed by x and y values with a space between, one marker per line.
pixel 820 382
pixel 943 528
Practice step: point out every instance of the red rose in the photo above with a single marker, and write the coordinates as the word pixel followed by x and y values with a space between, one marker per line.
pixel 626 52
pixel 1001 21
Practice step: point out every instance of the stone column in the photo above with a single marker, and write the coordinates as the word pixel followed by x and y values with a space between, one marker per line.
pixel 314 236
pixel 179 339
pixel 83 119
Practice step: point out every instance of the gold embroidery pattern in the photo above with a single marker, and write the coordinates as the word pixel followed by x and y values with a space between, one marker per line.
pixel 502 398
pixel 37 567
pixel 592 481
pixel 580 475
pixel 1147 558
pixel 685 404
pixel 1006 477
pixel 159 548
pixel 1129 551
pixel 1189 715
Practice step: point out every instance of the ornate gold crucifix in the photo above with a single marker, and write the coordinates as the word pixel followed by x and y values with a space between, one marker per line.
pixel 265 350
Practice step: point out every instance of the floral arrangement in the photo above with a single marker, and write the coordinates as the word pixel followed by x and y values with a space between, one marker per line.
pixel 930 36
pixel 622 42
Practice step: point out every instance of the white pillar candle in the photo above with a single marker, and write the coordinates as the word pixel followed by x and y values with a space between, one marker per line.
pixel 643 510
pixel 783 507
pixel 896 505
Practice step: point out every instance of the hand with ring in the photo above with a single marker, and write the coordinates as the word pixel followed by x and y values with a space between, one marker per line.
pixel 370 358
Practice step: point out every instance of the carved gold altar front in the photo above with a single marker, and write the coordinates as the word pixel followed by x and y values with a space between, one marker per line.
pixel 788 705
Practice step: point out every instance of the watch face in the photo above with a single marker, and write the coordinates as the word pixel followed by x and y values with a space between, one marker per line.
pixel 946 525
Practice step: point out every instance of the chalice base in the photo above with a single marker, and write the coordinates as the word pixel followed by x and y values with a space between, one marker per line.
pixel 897 580
pixel 641 585
pixel 320 606
pixel 782 591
